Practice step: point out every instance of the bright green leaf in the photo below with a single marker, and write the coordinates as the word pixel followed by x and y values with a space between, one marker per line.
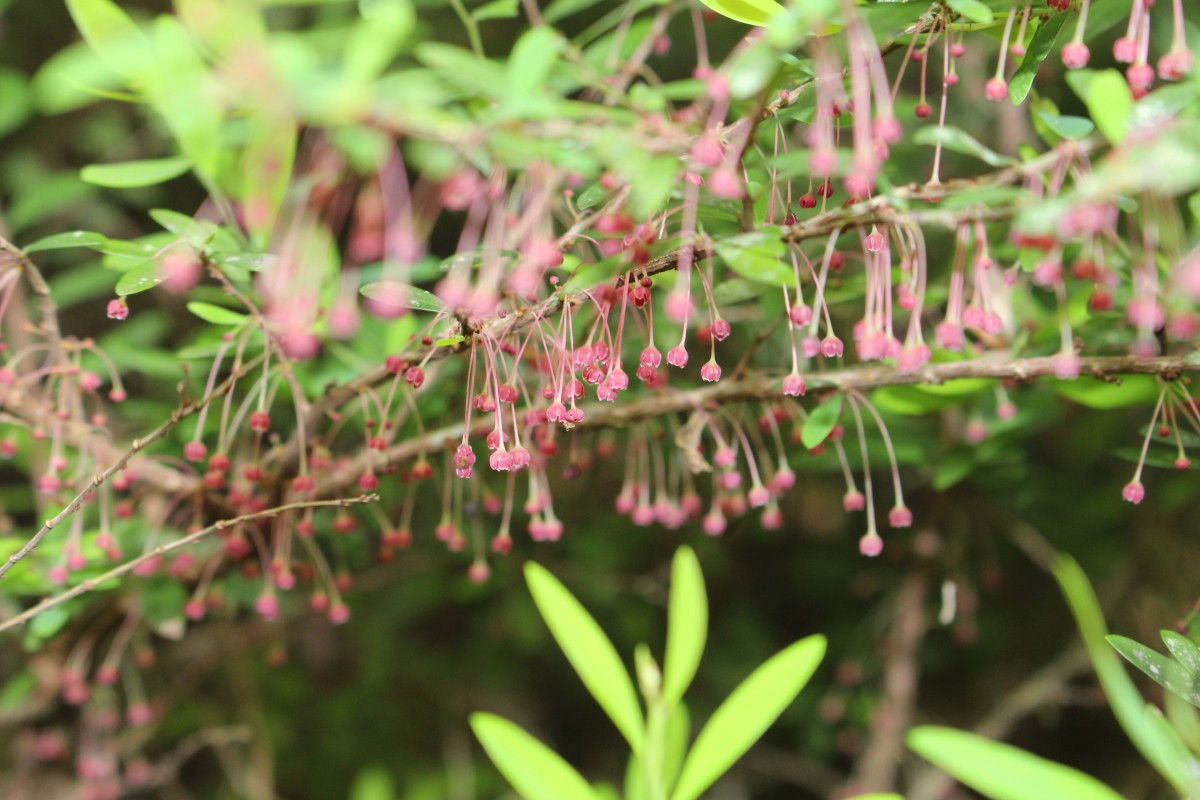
pixel 497 9
pixel 1184 649
pixel 449 340
pixel 529 64
pixel 534 770
pixel 63 241
pixel 373 783
pixel 589 651
pixel 1068 127
pixel 377 39
pixel 216 314
pixel 115 38
pixel 973 10
pixel 960 141
pixel 1108 99
pixel 751 12
pixel 129 174
pixel 687 625
pixel 746 714
pixel 757 256
pixel 139 279
pixel 401 295
pixel 1171 675
pixel 821 421
pixel 1001 771
pixel 1160 747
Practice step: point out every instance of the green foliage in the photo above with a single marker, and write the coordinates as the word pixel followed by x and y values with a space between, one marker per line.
pixel 1158 743
pixel 1001 771
pixel 659 768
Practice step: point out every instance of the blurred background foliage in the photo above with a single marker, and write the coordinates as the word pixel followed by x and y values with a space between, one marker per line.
pixel 384 700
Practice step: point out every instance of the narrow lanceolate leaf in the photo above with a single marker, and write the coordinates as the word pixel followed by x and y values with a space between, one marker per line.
pixel 534 770
pixel 589 651
pixel 1171 675
pixel 1184 649
pixel 129 174
pixel 216 314
pixel 62 241
pixel 687 625
pixel 1035 54
pixel 746 714
pixel 821 422
pixel 1001 771
pixel 115 38
pixel 1158 745
pixel 751 12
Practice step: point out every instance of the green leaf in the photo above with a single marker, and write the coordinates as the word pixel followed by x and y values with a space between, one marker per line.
pixel 529 64
pixel 746 714
pixel 960 141
pixel 182 95
pixel 129 174
pixel 196 232
pixel 589 651
pixel 139 279
pixel 559 9
pixel 1131 391
pixel 162 602
pixel 876 796
pixel 375 40
pixel 534 770
pixel 1035 54
pixel 587 276
pixel 821 421
pixel 1171 675
pixel 1068 127
pixel 449 340
pixel 18 100
pixel 373 783
pixel 115 38
pixel 687 625
pixel 591 196
pixel 497 9
pixel 1157 745
pixel 1184 649
pixel 973 10
pixel 1108 99
pixel 1001 771
pixel 751 12
pixel 254 262
pixel 757 256
pixel 63 241
pixel 216 314
pixel 402 295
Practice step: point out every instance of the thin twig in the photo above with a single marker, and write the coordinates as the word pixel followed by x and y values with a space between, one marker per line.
pixel 179 414
pixel 997 365
pixel 161 550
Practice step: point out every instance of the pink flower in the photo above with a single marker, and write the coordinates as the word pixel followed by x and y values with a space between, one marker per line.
pixel 900 517
pixel 996 89
pixel 118 309
pixel 870 545
pixel 793 385
pixel 1134 492
pixel 1075 55
pixel 711 371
